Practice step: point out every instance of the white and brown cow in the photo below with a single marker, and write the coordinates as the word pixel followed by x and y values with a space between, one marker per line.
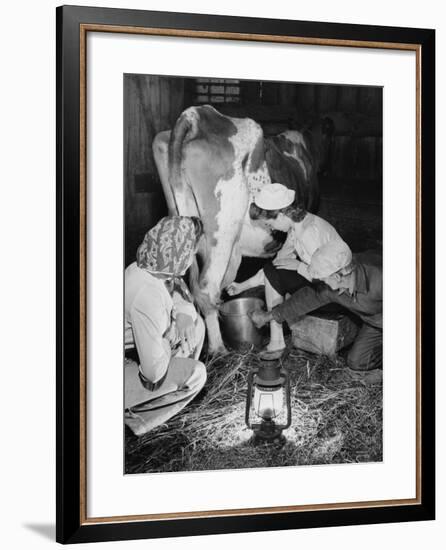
pixel 212 166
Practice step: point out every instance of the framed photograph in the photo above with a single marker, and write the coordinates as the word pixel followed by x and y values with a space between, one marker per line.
pixel 245 299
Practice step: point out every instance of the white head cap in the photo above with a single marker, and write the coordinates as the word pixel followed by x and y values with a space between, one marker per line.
pixel 330 258
pixel 274 196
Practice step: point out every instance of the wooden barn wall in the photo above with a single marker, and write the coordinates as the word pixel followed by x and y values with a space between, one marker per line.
pixel 151 104
pixel 351 190
pixel 355 110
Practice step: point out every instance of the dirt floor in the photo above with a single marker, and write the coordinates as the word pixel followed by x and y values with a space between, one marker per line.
pixel 335 419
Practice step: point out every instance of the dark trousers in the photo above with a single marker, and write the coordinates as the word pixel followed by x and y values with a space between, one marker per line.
pixel 284 280
pixel 367 350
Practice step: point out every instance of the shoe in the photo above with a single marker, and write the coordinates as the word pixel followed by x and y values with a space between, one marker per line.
pixel 271 355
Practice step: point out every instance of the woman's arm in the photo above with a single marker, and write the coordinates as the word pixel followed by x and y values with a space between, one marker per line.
pixel 302 269
pixel 183 306
pixel 256 280
pixel 147 316
pixel 186 319
pixel 287 251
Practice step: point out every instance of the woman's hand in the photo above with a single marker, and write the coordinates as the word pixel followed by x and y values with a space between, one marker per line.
pixel 171 335
pixel 286 263
pixel 260 317
pixel 234 288
pixel 186 332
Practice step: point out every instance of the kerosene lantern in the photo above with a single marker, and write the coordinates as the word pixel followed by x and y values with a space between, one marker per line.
pixel 268 404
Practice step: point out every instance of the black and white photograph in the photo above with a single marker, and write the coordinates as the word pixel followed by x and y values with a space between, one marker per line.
pixel 222 232
pixel 253 304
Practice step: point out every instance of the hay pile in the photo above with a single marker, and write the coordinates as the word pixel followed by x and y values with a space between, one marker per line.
pixel 334 420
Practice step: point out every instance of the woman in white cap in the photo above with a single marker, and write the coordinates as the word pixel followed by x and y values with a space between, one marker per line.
pixel 275 206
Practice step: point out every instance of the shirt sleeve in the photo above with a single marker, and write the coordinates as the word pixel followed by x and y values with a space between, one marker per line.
pixel 288 250
pixel 302 269
pixel 183 306
pixel 313 239
pixel 148 326
pixel 301 302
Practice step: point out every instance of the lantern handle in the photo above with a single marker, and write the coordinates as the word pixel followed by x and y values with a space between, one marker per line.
pixel 249 396
pixel 287 397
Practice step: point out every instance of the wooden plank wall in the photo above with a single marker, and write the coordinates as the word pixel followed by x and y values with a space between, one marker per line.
pixel 351 191
pixel 357 114
pixel 151 104
pixel 355 110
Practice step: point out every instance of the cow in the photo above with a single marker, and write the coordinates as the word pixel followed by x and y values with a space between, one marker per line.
pixel 212 166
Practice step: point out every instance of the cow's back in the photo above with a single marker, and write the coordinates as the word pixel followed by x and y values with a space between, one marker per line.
pixel 207 149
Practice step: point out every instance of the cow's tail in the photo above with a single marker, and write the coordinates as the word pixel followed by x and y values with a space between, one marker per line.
pixel 184 130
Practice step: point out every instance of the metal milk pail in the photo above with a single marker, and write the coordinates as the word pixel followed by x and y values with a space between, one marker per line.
pixel 237 327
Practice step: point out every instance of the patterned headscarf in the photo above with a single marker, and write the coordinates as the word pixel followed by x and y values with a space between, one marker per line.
pixel 169 248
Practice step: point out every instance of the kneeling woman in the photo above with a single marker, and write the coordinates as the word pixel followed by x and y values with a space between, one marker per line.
pixel 276 208
pixel 163 325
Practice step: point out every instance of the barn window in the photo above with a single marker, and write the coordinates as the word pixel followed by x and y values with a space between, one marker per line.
pixel 216 90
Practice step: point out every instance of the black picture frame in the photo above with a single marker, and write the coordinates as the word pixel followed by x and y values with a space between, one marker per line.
pixel 71 526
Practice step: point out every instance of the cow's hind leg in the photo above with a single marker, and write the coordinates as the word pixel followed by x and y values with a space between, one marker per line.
pixel 234 264
pixel 213 279
pixel 216 344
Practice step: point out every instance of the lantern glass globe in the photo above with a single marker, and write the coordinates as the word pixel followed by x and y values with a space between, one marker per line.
pixel 268 404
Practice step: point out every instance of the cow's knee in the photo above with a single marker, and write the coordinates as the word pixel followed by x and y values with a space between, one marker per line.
pixel 205 301
pixel 215 341
pixel 209 308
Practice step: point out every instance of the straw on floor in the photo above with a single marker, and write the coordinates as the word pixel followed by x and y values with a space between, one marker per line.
pixel 335 419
